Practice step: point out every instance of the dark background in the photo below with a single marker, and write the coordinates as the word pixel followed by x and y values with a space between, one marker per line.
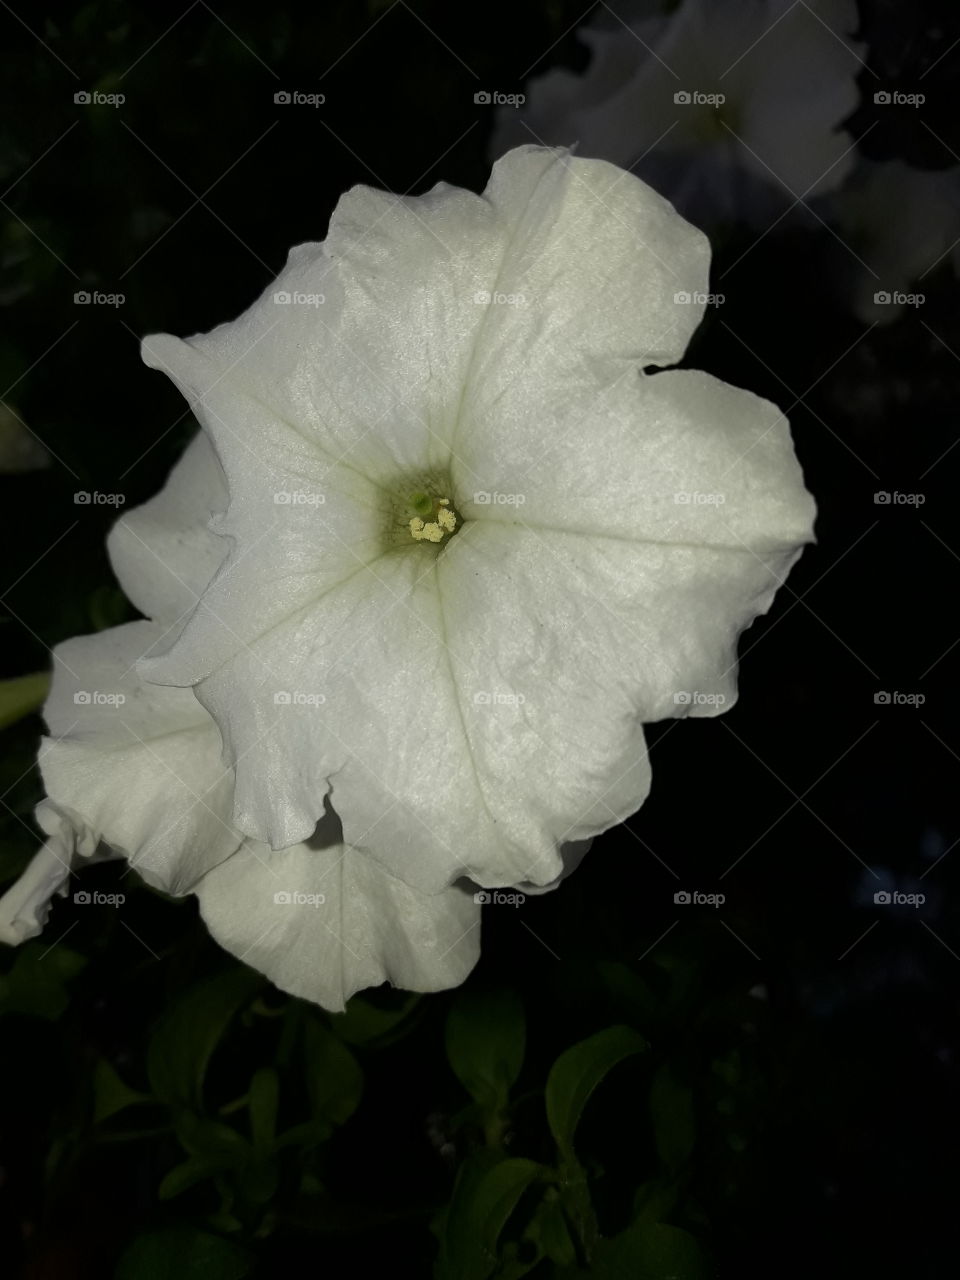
pixel 811 1035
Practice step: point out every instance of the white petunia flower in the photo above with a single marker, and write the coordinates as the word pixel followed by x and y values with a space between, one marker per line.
pixel 731 108
pixel 473 700
pixel 452 545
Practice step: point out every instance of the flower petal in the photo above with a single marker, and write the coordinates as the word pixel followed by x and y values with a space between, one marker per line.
pixel 25 906
pixel 163 552
pixel 323 923
pixel 587 281
pixel 371 377
pixel 360 696
pixel 677 457
pixel 137 764
pixel 369 370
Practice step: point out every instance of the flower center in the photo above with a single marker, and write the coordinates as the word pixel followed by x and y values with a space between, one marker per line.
pixel 422 512
pixel 434 519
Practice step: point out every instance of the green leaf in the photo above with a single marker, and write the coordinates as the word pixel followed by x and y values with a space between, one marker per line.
pixel 264 1098
pixel 671 1108
pixel 184 1253
pixel 186 1036
pixel 648 1251
pixel 575 1075
pixel 212 1140
pixel 22 695
pixel 111 1094
pixel 36 983
pixel 486 1193
pixel 187 1175
pixel 333 1075
pixel 486 1038
pixel 549 1231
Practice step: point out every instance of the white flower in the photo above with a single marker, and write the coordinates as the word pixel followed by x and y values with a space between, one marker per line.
pixel 450 548
pixel 731 108
pixel 470 703
pixel 902 223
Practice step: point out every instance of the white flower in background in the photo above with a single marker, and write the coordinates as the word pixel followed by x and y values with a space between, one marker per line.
pixel 903 223
pixel 442 548
pixel 730 108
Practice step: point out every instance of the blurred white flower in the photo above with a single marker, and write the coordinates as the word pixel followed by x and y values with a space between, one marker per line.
pixel 902 223
pixel 730 108
pixel 442 548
